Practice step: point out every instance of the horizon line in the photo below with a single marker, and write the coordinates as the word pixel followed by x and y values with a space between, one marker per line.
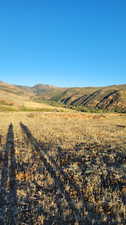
pixel 59 86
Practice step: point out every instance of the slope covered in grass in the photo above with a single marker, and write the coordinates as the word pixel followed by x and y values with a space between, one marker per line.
pixel 110 98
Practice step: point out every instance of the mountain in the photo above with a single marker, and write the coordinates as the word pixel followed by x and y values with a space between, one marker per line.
pixel 16 98
pixel 47 92
pixel 105 98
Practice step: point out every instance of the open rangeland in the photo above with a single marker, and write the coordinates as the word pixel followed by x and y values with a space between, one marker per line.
pixel 62 168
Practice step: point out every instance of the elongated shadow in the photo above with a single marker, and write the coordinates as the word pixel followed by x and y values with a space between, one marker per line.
pixel 8 191
pixel 12 178
pixel 66 177
pixel 4 184
pixel 36 147
pixel 29 207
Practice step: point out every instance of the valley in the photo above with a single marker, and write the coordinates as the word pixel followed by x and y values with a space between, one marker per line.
pixel 40 97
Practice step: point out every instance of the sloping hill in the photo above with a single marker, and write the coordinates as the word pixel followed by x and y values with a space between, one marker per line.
pixel 105 98
pixel 47 92
pixel 16 98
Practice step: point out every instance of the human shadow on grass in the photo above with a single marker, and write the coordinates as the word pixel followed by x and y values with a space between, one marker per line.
pixel 52 167
pixel 8 189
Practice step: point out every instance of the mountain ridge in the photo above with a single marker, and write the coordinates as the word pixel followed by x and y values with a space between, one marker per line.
pixel 106 98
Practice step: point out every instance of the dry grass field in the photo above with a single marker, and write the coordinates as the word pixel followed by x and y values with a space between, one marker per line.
pixel 62 168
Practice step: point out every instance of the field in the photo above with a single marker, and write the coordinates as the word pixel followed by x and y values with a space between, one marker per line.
pixel 62 168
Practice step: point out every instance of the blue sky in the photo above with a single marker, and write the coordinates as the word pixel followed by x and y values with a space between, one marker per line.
pixel 63 42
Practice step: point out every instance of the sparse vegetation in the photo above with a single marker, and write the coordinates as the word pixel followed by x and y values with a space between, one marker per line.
pixel 88 99
pixel 62 168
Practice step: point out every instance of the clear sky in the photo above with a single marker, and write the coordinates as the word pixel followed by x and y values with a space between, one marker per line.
pixel 63 42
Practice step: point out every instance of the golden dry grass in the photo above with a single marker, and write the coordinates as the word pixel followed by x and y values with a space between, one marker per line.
pixel 68 129
pixel 70 168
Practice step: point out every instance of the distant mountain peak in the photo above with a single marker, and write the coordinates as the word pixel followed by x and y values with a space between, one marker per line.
pixel 106 98
pixel 43 86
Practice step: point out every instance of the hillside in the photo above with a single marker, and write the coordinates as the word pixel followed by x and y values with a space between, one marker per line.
pixel 20 98
pixel 47 92
pixel 105 98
